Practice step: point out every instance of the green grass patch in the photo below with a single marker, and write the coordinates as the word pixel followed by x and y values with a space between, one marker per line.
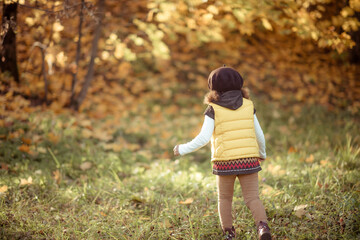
pixel 74 188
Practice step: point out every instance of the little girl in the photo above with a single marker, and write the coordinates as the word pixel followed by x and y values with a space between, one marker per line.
pixel 237 145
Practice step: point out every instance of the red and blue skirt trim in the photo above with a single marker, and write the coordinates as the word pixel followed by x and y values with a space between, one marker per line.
pixel 236 166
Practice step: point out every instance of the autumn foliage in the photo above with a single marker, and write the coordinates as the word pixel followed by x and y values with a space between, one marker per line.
pixel 293 52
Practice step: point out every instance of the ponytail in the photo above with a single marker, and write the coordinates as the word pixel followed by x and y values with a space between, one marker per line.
pixel 211 96
pixel 245 92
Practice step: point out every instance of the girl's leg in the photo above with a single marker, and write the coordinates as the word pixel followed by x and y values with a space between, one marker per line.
pixel 250 190
pixel 225 186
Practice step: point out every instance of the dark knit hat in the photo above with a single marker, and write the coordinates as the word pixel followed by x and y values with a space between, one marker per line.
pixel 225 79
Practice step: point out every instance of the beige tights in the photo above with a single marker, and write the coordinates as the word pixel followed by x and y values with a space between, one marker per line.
pixel 250 191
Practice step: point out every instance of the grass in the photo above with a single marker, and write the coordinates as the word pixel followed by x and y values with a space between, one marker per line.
pixel 313 162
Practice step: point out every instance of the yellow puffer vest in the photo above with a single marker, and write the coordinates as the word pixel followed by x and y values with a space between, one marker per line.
pixel 234 134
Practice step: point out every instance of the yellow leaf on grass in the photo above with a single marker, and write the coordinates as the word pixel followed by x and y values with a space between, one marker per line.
pixel 113 146
pixel 24 181
pixel 53 138
pixel 85 166
pixel 167 223
pixel 187 201
pixel 292 150
pixel 24 148
pixel 3 189
pixel 85 123
pixel 300 210
pixel 276 170
pixel 267 190
pixel 41 150
pixel 26 140
pixel 86 133
pixel 57 176
pixel 310 159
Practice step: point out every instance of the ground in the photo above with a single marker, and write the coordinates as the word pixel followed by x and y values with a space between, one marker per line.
pixel 69 176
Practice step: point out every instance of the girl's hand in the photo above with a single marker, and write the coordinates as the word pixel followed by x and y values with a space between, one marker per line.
pixel 262 159
pixel 176 150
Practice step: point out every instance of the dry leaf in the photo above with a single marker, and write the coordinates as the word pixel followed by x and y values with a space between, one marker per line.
pixel 85 166
pixel 24 181
pixel 24 148
pixel 267 190
pixel 310 159
pixel 300 210
pixel 292 150
pixel 4 166
pixel 276 170
pixel 187 201
pixel 53 138
pixel 3 189
pixel 26 140
pixel 113 146
pixel 167 223
pixel 41 150
pixel 86 133
pixel 57 176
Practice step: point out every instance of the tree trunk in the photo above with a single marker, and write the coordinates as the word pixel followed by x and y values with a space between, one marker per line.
pixel 90 74
pixel 78 50
pixel 8 61
pixel 355 51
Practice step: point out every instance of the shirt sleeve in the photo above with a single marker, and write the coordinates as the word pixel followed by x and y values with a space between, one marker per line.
pixel 201 139
pixel 260 138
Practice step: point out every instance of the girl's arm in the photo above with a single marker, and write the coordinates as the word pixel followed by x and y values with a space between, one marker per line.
pixel 201 139
pixel 260 138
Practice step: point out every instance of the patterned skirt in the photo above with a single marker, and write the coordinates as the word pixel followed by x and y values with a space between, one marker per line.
pixel 236 166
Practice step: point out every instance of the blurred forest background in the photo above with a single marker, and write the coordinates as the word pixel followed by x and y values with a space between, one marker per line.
pixel 88 84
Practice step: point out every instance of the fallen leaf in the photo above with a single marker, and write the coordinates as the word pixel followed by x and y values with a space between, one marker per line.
pixel 167 223
pixel 276 170
pixel 57 176
pixel 85 166
pixel 113 146
pixel 291 150
pixel 310 159
pixel 86 133
pixel 26 140
pixel 3 189
pixel 103 214
pixel 300 210
pixel 267 190
pixel 24 148
pixel 187 201
pixel 4 166
pixel 53 138
pixel 24 181
pixel 41 150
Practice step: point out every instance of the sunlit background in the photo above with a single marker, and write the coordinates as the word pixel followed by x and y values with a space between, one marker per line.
pixel 101 91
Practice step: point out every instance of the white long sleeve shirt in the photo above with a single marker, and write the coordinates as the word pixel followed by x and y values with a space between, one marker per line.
pixel 207 130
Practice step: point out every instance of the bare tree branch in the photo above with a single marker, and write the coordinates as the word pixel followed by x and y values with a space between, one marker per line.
pixel 74 80
pixel 90 74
